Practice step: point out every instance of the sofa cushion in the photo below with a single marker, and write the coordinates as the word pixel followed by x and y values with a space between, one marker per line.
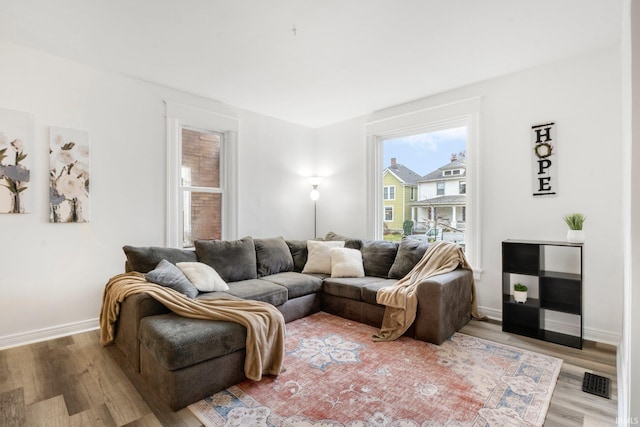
pixel 259 290
pixel 143 259
pixel 319 258
pixel 297 284
pixel 177 342
pixel 298 249
pixel 346 262
pixel 272 256
pixel 203 276
pixel 234 260
pixel 347 287
pixel 370 290
pixel 378 257
pixel 349 242
pixel 410 251
pixel 170 276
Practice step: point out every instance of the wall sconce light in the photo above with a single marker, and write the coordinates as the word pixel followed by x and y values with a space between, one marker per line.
pixel 315 195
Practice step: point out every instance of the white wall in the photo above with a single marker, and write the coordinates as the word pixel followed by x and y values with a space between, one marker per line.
pixel 582 95
pixel 52 275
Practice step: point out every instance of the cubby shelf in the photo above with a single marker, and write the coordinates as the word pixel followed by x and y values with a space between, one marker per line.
pixel 558 291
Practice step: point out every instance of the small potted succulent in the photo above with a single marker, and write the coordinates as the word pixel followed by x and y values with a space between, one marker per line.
pixel 520 292
pixel 575 222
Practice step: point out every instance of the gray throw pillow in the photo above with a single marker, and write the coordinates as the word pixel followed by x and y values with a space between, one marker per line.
pixel 143 259
pixel 234 260
pixel 299 253
pixel 410 251
pixel 378 257
pixel 272 256
pixel 167 274
pixel 348 241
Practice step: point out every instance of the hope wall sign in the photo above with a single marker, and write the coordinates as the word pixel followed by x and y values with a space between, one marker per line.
pixel 543 138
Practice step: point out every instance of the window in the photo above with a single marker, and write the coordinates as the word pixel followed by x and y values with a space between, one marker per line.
pixel 412 193
pixel 201 185
pixel 201 175
pixel 440 189
pixel 388 213
pixel 463 187
pixel 403 124
pixel 389 192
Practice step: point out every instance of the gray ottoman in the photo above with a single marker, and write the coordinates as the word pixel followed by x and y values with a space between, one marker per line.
pixel 185 360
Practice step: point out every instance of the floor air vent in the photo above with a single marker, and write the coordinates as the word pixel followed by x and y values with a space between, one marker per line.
pixel 595 384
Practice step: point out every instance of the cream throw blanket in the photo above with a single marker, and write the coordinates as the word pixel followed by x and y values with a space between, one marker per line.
pixel 264 323
pixel 400 299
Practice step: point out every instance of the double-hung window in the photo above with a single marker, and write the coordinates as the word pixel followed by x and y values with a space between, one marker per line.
pixel 389 192
pixel 201 178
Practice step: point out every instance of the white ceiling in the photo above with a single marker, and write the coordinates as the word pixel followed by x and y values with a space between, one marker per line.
pixel 346 58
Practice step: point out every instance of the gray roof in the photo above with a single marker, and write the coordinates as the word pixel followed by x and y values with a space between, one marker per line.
pixel 403 173
pixel 437 175
pixel 457 199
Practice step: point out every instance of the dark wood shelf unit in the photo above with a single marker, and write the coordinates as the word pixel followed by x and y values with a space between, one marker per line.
pixel 558 291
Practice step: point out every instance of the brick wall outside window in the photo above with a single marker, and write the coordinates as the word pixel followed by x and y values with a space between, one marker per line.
pixel 201 168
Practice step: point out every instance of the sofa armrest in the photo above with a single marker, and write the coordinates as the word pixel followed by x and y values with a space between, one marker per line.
pixel 444 305
pixel 132 310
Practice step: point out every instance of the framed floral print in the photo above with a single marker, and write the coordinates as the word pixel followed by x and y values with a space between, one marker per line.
pixel 68 175
pixel 15 161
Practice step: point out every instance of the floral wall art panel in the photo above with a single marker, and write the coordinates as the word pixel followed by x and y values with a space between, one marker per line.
pixel 68 175
pixel 15 161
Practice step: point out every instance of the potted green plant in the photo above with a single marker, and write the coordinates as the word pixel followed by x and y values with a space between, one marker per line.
pixel 520 292
pixel 575 222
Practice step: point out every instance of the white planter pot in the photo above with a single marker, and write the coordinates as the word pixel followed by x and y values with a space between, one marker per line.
pixel 575 236
pixel 520 296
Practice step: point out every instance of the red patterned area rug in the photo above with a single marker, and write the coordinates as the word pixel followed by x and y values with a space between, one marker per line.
pixel 337 376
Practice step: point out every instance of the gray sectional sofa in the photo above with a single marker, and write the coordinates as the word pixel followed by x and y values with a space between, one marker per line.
pixel 184 360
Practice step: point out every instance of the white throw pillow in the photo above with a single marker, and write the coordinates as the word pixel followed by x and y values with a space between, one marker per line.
pixel 319 256
pixel 346 262
pixel 203 276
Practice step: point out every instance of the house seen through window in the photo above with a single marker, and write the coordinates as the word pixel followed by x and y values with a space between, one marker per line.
pixel 428 174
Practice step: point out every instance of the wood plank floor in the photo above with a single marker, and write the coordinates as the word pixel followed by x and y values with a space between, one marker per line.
pixel 72 381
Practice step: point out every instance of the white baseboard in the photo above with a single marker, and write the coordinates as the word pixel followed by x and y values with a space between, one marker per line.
pixel 45 334
pixel 591 334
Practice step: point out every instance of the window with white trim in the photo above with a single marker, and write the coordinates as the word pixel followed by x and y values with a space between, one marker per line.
pixel 387 126
pixel 201 175
pixel 389 192
pixel 201 185
pixel 440 188
pixel 388 213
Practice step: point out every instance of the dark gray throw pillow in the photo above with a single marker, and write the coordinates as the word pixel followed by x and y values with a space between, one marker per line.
pixel 299 253
pixel 410 251
pixel 272 256
pixel 378 257
pixel 143 259
pixel 168 275
pixel 348 241
pixel 234 260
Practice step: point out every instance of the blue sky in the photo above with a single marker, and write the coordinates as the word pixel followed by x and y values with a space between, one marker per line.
pixel 425 152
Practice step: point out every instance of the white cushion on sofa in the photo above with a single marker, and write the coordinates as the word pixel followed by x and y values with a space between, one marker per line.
pixel 319 256
pixel 203 276
pixel 346 262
